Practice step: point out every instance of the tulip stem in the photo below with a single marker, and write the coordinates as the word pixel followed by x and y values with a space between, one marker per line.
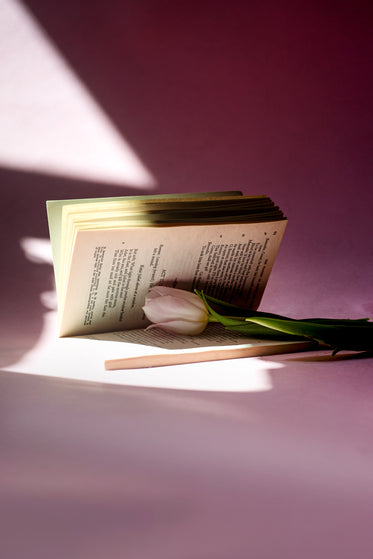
pixel 235 319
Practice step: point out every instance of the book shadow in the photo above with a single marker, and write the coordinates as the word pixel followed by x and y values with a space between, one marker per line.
pixel 27 275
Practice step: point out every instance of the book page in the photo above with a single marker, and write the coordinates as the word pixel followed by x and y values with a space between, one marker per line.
pixel 55 210
pixel 214 336
pixel 112 270
pixel 214 343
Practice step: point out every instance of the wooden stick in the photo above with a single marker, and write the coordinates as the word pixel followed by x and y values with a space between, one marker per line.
pixel 180 358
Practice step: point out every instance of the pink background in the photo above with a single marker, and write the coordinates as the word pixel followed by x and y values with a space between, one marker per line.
pixel 269 97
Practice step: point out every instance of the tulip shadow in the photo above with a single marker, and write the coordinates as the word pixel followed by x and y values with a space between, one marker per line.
pixel 345 356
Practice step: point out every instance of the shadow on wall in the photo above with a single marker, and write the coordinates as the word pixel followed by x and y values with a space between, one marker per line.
pixel 267 96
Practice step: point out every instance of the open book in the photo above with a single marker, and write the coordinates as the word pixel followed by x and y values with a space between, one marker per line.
pixel 108 252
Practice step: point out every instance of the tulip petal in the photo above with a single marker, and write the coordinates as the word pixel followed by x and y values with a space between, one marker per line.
pixel 161 291
pixel 175 310
pixel 169 308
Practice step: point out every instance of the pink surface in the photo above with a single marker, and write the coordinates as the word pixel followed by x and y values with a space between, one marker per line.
pixel 267 97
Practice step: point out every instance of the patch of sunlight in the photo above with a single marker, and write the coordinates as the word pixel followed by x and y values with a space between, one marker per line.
pixel 49 121
pixel 82 358
pixel 37 250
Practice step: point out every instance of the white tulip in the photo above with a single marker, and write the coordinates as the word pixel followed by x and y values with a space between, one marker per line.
pixel 175 310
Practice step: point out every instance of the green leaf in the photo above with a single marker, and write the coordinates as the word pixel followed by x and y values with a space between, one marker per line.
pixel 355 335
pixel 261 332
pixel 249 312
pixel 347 334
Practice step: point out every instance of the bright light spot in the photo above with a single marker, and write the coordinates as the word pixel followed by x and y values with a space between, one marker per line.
pixel 83 359
pixel 238 375
pixel 49 122
pixel 37 250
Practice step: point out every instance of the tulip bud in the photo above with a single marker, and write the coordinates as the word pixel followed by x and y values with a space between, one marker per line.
pixel 175 310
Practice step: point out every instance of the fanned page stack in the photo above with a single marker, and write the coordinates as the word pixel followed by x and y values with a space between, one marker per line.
pixel 108 252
